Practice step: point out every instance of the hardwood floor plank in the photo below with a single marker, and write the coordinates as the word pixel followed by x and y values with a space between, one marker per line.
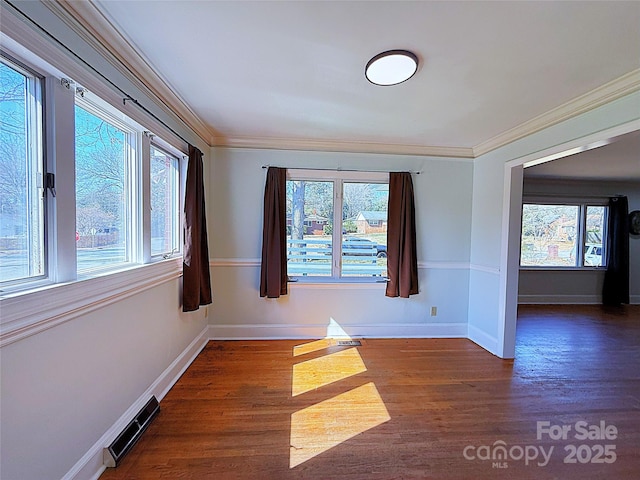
pixel 403 408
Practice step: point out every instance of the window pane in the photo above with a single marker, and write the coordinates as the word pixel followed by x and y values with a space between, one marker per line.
pixel 549 235
pixel 101 193
pixel 594 237
pixel 364 229
pixel 165 207
pixel 21 199
pixel 309 228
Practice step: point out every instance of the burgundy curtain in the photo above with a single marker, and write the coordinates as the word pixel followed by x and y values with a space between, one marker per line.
pixel 273 273
pixel 615 290
pixel 402 259
pixel 196 286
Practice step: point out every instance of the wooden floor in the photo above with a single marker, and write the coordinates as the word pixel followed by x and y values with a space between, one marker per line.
pixel 406 409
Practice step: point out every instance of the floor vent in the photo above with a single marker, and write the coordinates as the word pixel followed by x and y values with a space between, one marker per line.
pixel 131 434
pixel 349 343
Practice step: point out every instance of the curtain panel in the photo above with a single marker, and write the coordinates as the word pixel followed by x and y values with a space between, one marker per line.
pixel 273 272
pixel 615 290
pixel 402 258
pixel 196 286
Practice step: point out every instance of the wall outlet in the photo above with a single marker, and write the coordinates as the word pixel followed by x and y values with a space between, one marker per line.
pixel 434 311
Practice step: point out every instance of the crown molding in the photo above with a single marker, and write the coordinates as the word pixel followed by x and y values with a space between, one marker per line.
pixel 306 144
pixel 613 90
pixel 88 21
pixel 597 97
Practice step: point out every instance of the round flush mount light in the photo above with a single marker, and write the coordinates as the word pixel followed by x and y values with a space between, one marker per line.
pixel 391 67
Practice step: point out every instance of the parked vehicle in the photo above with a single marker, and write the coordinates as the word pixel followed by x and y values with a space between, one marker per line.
pixel 362 246
pixel 593 255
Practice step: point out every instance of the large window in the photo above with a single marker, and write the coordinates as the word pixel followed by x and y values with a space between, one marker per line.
pixel 106 195
pixel 337 225
pixel 22 199
pixel 563 235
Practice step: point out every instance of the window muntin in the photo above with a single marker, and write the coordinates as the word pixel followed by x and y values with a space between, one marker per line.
pixel 165 202
pixel 105 191
pixel 337 226
pixel 562 235
pixel 22 199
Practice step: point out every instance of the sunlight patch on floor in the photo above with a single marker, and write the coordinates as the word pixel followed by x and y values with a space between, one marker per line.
pixel 325 425
pixel 318 372
pixel 313 346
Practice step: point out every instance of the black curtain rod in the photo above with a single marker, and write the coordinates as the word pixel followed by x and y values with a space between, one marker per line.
pixel 338 169
pixel 126 96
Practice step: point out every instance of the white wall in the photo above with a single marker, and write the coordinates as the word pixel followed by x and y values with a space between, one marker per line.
pixel 569 286
pixel 487 303
pixel 443 211
pixel 63 388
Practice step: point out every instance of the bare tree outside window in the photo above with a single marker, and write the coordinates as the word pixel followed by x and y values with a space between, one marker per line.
pixel 362 228
pixel 165 225
pixel 101 193
pixel 21 195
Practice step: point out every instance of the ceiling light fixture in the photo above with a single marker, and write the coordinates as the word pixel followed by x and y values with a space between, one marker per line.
pixel 391 67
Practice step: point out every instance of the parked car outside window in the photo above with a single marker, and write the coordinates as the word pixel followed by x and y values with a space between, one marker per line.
pixel 359 243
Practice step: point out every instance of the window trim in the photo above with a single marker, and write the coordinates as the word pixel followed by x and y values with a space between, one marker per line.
pixel 29 312
pixel 574 201
pixel 339 178
pixel 33 306
pixel 58 103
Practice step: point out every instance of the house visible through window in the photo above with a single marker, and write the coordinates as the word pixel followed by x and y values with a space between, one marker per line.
pixel 22 199
pixel 563 235
pixel 337 225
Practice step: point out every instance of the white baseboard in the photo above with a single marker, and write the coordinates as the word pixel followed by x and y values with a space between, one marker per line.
pixel 295 332
pixel 483 339
pixel 559 299
pixel 568 299
pixel 91 465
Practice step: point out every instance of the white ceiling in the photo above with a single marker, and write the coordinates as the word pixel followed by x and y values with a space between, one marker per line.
pixel 295 70
pixel 617 161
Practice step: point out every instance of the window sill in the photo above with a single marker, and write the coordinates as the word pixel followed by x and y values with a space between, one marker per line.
pixel 334 283
pixel 562 269
pixel 26 313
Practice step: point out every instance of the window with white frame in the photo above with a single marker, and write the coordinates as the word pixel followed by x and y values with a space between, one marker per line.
pixel 165 202
pixel 328 232
pixel 121 193
pixel 106 199
pixel 22 203
pixel 558 234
